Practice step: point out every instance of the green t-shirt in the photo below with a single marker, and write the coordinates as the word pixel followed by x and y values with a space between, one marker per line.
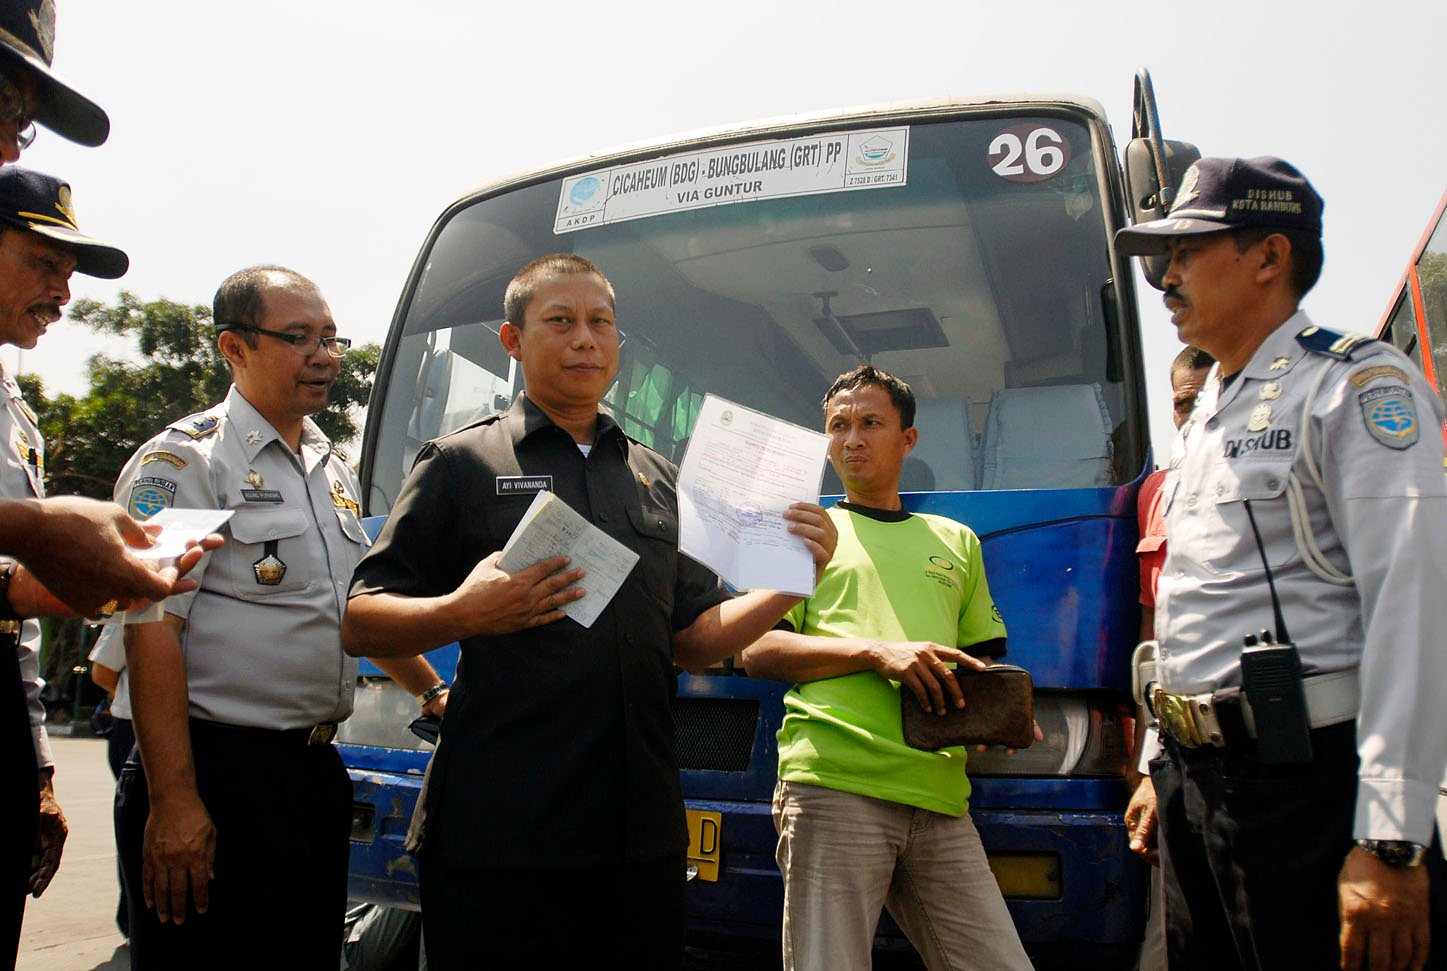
pixel 919 579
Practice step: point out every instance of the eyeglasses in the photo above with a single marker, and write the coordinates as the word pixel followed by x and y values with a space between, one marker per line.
pixel 12 112
pixel 304 344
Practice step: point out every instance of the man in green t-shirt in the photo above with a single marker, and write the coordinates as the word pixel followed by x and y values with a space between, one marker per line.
pixel 864 820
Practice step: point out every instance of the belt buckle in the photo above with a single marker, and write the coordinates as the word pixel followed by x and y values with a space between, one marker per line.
pixel 1174 713
pixel 322 734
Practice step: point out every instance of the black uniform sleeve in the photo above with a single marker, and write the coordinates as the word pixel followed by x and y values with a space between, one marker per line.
pixel 698 588
pixel 412 556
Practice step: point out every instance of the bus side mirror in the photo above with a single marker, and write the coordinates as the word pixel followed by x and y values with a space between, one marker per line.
pixel 1153 168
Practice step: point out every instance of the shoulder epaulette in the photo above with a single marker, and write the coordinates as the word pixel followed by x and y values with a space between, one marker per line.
pixel 1319 340
pixel 197 426
pixel 491 419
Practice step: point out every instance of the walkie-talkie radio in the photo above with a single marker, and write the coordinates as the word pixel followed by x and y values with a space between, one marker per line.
pixel 1272 683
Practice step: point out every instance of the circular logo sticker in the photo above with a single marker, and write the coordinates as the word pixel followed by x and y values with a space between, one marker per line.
pixel 583 190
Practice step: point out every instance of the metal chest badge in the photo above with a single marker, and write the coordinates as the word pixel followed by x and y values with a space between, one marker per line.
pixel 1260 418
pixel 269 570
pixel 1270 391
pixel 341 500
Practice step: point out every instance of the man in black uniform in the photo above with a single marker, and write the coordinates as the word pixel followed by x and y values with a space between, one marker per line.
pixel 556 825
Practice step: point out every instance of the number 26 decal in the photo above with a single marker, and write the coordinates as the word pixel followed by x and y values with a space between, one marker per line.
pixel 1028 153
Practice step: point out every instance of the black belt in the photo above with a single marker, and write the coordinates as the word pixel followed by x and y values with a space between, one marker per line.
pixel 321 733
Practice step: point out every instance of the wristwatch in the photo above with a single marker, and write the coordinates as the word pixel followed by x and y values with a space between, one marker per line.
pixel 431 693
pixel 1397 854
pixel 9 619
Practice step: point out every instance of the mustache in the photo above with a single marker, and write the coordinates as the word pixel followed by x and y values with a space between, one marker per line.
pixel 1172 293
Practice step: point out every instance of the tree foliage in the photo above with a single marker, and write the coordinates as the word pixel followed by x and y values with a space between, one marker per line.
pixel 89 439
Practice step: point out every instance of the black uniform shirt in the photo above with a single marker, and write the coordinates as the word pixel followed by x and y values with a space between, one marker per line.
pixel 558 741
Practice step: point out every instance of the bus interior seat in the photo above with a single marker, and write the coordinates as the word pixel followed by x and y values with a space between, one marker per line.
pixel 436 381
pixel 1054 437
pixel 916 476
pixel 946 444
pixel 831 486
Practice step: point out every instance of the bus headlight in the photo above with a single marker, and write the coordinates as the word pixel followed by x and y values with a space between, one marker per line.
pixel 1085 735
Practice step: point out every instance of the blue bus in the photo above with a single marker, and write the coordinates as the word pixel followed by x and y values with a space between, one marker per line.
pixel 965 246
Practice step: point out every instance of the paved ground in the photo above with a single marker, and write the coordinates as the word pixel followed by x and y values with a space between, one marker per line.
pixel 72 927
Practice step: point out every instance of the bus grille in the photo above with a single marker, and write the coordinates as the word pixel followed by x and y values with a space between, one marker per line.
pixel 715 733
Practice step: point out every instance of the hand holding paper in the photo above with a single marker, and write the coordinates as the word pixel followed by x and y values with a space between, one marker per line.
pixel 550 528
pixel 743 470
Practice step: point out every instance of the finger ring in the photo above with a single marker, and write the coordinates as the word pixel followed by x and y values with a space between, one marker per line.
pixel 108 608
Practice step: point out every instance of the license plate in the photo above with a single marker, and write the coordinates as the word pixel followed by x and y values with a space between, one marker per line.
pixel 1032 876
pixel 705 832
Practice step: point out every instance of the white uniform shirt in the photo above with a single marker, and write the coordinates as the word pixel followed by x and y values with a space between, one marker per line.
pixel 1379 515
pixel 110 650
pixel 259 654
pixel 22 476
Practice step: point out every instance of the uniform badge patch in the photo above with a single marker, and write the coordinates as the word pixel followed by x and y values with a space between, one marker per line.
pixel 341 500
pixel 1260 418
pixel 523 485
pixel 256 493
pixel 170 458
pixel 1270 391
pixel 1390 416
pixel 150 495
pixel 1369 374
pixel 201 427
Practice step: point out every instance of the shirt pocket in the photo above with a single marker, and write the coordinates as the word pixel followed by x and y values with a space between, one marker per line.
pixel 1150 544
pixel 1226 543
pixel 253 531
pixel 352 527
pixel 657 545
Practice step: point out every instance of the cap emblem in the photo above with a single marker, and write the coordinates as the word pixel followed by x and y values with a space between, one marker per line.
pixel 43 20
pixel 66 205
pixel 1188 193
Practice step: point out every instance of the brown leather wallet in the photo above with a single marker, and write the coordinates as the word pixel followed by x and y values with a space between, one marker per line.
pixel 999 710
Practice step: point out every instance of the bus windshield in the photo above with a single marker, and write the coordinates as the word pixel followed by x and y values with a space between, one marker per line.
pixel 971 260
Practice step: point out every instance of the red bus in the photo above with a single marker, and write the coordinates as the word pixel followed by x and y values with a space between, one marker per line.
pixel 1416 317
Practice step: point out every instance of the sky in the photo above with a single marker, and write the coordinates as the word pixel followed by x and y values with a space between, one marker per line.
pixel 328 136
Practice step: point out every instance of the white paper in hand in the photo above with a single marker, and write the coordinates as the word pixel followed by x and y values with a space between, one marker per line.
pixel 551 527
pixel 743 468
pixel 179 526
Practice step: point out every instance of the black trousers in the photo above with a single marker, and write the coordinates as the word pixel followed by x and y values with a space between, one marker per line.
pixel 282 812
pixel 539 919
pixel 1250 854
pixel 118 748
pixel 20 805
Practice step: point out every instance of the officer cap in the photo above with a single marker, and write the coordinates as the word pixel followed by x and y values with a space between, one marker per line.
pixel 27 36
pixel 41 203
pixel 1229 193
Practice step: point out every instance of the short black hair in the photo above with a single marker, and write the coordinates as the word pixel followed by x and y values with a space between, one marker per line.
pixel 900 394
pixel 520 291
pixel 1306 252
pixel 240 301
pixel 1191 358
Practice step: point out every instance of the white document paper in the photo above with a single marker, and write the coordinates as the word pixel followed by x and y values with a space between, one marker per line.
pixel 180 526
pixel 742 470
pixel 551 527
